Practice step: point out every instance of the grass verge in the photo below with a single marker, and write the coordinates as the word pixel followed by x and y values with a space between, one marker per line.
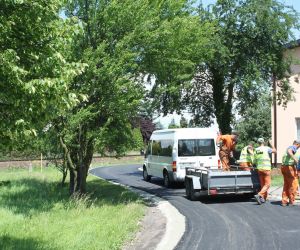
pixel 108 161
pixel 37 213
pixel 277 180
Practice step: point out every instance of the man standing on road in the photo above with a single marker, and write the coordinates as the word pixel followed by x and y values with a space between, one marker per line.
pixel 227 144
pixel 247 157
pixel 263 165
pixel 289 172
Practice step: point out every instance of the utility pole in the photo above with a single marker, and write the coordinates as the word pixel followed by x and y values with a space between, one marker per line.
pixel 275 118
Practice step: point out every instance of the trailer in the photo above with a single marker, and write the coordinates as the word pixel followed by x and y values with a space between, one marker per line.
pixel 203 182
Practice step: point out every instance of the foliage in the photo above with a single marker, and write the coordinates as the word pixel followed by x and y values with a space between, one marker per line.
pixel 158 125
pixel 247 53
pixel 255 122
pixel 173 124
pixel 183 122
pixel 117 38
pixel 147 127
pixel 35 67
pixel 172 52
pixel 236 48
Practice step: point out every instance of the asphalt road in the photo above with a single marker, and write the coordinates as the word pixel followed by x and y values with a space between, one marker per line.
pixel 220 222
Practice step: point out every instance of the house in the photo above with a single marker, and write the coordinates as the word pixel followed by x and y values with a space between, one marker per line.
pixel 286 126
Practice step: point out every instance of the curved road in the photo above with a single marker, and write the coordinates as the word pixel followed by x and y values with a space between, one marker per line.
pixel 233 223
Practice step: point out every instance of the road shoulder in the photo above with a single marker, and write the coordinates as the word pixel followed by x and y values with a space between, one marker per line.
pixel 162 226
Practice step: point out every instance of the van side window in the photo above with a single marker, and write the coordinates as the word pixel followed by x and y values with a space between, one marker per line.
pixel 162 147
pixel 166 147
pixel 156 148
pixel 187 148
pixel 148 151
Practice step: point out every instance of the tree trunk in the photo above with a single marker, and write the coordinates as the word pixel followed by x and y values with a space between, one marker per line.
pixel 70 166
pixel 72 181
pixel 223 107
pixel 86 151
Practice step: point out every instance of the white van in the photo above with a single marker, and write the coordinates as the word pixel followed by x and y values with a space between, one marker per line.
pixel 170 151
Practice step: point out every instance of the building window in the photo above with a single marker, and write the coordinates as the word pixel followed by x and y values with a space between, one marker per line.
pixel 298 127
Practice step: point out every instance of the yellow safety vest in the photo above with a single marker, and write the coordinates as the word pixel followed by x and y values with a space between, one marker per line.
pixel 246 156
pixel 262 158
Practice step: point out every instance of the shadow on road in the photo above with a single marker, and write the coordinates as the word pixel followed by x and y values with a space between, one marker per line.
pixel 225 199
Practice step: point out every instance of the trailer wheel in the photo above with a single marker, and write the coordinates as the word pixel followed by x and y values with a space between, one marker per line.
pixel 145 174
pixel 190 191
pixel 187 188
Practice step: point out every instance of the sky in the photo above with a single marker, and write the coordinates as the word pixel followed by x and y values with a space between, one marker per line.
pixel 294 3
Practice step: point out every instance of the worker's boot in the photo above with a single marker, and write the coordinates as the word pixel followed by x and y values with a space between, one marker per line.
pixel 260 200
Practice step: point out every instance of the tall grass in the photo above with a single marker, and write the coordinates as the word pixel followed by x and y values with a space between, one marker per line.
pixel 37 213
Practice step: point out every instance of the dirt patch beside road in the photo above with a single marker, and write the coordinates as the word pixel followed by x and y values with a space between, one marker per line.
pixel 152 230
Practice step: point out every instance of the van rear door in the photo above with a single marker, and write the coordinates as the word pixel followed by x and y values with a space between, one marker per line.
pixel 197 153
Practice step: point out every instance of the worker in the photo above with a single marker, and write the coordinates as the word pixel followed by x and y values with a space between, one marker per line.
pixel 227 144
pixel 289 172
pixel 297 197
pixel 263 166
pixel 247 157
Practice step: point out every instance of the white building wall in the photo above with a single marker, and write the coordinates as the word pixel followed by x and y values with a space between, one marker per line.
pixel 286 117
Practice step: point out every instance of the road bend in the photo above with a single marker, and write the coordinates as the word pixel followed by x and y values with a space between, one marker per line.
pixel 234 222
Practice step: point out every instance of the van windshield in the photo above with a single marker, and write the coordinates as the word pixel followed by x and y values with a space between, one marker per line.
pixel 196 147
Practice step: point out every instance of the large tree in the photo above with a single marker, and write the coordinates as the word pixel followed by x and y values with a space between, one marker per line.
pixel 245 52
pixel 35 66
pixel 122 41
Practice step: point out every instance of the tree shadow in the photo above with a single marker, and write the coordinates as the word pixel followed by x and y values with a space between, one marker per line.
pixel 105 193
pixel 220 199
pixel 7 242
pixel 29 196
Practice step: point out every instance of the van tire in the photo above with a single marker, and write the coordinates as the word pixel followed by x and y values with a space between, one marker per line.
pixel 167 182
pixel 146 176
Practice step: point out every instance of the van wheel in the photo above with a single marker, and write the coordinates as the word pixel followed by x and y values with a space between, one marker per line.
pixel 145 174
pixel 167 182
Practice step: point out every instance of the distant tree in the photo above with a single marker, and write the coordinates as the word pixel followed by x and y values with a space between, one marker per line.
pixel 183 122
pixel 147 128
pixel 255 122
pixel 173 124
pixel 191 123
pixel 158 125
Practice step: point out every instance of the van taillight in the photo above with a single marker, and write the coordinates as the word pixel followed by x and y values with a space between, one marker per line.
pixel 174 166
pixel 219 164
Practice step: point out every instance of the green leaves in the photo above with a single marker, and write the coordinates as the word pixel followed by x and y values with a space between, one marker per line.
pixel 35 70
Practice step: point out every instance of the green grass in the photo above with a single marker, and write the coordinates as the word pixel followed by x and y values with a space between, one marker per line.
pixel 37 213
pixel 277 180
